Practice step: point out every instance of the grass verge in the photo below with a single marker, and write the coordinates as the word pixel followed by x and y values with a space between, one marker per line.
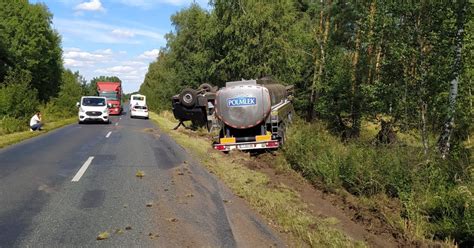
pixel 434 196
pixel 12 138
pixel 280 205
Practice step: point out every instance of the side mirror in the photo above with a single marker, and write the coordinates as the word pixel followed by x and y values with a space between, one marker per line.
pixel 78 104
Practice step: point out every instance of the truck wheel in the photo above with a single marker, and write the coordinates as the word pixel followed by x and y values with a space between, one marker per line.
pixel 187 97
pixel 206 87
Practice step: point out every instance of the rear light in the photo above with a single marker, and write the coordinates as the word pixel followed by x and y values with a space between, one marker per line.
pixel 219 147
pixel 272 144
pixel 146 110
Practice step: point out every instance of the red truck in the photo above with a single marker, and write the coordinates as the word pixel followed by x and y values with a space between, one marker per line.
pixel 113 92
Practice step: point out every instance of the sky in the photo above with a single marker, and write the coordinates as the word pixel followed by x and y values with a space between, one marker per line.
pixel 113 37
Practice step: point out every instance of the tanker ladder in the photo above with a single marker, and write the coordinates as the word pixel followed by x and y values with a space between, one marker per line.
pixel 280 118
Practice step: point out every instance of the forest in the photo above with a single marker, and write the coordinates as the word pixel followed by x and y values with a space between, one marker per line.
pixel 383 91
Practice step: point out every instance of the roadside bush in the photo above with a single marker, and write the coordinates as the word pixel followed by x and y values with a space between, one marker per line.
pixel 17 102
pixel 435 194
pixel 17 99
pixel 52 111
pixel 64 105
pixel 452 214
pixel 10 125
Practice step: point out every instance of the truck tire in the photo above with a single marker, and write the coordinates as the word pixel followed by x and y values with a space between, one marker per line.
pixel 206 87
pixel 188 97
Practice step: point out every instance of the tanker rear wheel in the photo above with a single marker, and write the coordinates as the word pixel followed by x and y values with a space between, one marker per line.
pixel 187 97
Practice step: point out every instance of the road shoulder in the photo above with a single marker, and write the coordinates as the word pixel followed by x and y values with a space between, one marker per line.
pixel 13 138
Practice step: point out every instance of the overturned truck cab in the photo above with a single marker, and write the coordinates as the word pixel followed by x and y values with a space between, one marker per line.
pixel 253 114
pixel 196 106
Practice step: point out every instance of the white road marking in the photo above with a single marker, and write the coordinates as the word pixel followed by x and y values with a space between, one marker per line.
pixel 108 134
pixel 120 118
pixel 82 170
pixel 116 123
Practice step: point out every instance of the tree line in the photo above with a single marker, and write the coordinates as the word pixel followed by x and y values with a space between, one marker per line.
pixel 32 76
pixel 349 60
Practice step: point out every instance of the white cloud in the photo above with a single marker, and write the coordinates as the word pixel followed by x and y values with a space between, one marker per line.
pixel 151 3
pixel 73 63
pixel 107 51
pixel 136 63
pixel 117 69
pixel 98 32
pixel 73 49
pixel 82 55
pixel 75 57
pixel 151 54
pixel 93 5
pixel 123 33
pixel 131 69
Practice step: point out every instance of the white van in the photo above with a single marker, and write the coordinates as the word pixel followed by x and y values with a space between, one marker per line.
pixel 137 99
pixel 93 108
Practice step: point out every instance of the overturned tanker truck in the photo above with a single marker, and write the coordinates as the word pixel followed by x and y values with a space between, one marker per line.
pixel 253 114
pixel 249 114
pixel 196 106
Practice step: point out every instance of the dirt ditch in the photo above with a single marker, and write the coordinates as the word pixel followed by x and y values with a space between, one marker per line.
pixel 357 221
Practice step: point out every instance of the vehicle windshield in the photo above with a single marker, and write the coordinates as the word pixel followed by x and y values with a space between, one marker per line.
pixel 109 95
pixel 93 102
pixel 138 98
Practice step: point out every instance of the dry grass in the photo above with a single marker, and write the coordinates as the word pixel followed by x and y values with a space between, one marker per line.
pixel 103 235
pixel 281 206
pixel 12 138
pixel 140 174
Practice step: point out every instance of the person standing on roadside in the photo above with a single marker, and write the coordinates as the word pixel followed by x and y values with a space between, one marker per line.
pixel 35 122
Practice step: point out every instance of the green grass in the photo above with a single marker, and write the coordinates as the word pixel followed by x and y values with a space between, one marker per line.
pixel 281 205
pixel 435 195
pixel 12 138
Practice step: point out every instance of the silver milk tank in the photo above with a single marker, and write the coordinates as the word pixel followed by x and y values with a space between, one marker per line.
pixel 243 104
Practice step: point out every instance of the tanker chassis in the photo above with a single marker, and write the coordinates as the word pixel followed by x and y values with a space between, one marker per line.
pixel 253 114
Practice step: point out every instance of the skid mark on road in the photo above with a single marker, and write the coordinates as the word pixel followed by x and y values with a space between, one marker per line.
pixel 166 157
pixel 92 199
pixel 155 132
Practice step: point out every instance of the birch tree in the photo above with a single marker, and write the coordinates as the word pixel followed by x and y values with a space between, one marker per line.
pixel 445 136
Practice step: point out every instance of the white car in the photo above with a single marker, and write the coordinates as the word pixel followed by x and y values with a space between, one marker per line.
pixel 137 99
pixel 139 111
pixel 93 108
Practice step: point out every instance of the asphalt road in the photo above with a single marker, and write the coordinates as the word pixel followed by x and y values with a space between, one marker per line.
pixel 49 197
